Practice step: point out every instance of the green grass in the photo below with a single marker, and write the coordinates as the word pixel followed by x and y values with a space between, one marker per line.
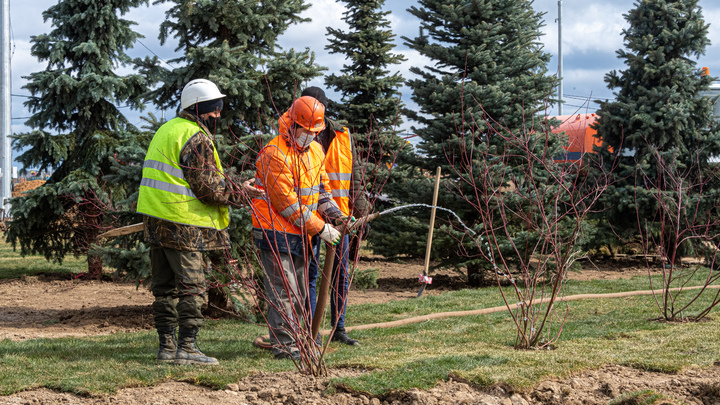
pixel 478 349
pixel 12 265
pixel 645 397
pixel 475 348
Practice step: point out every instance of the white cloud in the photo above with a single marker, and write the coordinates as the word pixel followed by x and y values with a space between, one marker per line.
pixel 312 34
pixel 711 58
pixel 595 29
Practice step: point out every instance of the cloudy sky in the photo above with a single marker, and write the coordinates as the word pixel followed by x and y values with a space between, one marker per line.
pixel 591 35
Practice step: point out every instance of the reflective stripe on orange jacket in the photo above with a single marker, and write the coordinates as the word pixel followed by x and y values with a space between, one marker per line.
pixel 338 164
pixel 292 180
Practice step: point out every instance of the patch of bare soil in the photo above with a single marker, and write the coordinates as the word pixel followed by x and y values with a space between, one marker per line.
pixel 35 307
pixel 612 269
pixel 399 280
pixel 592 387
pixel 39 306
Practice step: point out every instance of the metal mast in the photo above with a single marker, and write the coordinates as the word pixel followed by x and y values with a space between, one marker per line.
pixel 560 60
pixel 5 102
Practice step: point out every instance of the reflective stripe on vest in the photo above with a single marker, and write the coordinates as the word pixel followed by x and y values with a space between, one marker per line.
pixel 164 192
pixel 295 210
pixel 338 163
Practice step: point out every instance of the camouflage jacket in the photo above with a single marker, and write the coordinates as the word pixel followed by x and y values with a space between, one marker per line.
pixel 198 166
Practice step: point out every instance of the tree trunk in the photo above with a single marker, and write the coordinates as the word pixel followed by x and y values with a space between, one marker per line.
pixel 476 275
pixel 95 267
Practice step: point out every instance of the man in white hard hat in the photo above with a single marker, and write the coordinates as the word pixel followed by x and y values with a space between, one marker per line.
pixel 184 198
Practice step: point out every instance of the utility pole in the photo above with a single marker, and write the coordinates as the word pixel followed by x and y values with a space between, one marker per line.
pixel 560 60
pixel 5 103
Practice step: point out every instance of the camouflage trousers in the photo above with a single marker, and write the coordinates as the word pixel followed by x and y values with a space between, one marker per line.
pixel 178 284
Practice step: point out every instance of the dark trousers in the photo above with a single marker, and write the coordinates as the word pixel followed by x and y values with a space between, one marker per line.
pixel 178 284
pixel 339 283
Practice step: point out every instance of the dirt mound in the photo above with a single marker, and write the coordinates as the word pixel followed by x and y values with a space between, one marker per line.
pixel 20 188
pixel 691 386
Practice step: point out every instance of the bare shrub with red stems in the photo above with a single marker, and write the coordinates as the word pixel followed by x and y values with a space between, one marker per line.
pixel 531 208
pixel 686 208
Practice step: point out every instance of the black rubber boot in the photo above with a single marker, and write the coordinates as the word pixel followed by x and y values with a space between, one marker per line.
pixel 341 336
pixel 187 353
pixel 168 344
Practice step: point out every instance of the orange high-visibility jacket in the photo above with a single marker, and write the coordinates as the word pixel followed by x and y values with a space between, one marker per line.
pixel 338 164
pixel 291 180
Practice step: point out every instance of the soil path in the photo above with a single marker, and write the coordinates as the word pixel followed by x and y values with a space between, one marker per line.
pixel 37 307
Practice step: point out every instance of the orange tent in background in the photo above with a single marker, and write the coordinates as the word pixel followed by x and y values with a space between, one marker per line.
pixel 578 137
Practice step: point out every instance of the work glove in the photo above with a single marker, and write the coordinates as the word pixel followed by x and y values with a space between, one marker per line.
pixel 330 235
pixel 351 224
pixel 345 224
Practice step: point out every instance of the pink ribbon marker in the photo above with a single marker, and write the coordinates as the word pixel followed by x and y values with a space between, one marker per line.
pixel 425 279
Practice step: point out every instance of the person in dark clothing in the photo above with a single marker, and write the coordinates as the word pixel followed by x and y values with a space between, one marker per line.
pixel 345 172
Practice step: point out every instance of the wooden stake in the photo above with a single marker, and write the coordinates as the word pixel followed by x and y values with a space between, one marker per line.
pixel 322 293
pixel 124 230
pixel 432 227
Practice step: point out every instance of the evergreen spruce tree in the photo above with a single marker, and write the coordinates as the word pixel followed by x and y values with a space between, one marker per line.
pixel 489 70
pixel 77 126
pixel 370 97
pixel 234 44
pixel 370 103
pixel 657 108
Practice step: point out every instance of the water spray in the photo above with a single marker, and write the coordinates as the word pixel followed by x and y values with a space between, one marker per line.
pixel 391 210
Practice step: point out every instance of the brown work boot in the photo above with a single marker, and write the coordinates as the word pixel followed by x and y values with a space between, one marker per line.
pixel 168 344
pixel 187 353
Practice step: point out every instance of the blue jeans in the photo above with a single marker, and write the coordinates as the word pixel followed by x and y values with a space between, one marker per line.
pixel 339 280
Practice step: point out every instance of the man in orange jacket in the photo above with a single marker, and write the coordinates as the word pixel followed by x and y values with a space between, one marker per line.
pixel 296 206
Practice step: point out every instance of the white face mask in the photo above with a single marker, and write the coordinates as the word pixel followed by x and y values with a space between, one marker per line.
pixel 305 139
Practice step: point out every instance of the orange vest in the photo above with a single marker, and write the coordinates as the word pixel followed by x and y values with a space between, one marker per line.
pixel 338 164
pixel 291 180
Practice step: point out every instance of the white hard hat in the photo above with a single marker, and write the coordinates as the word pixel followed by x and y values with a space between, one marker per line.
pixel 199 90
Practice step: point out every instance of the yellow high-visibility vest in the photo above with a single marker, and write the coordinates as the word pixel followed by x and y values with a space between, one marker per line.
pixel 164 192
